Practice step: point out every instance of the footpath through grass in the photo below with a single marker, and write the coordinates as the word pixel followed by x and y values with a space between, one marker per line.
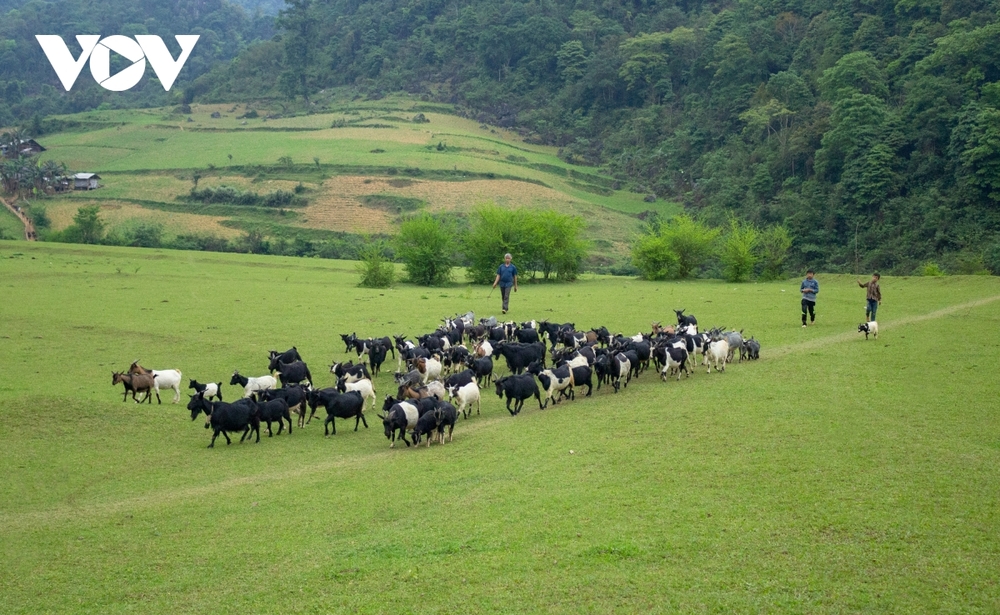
pixel 833 475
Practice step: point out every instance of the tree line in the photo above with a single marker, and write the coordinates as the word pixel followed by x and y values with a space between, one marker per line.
pixel 870 131
pixel 544 244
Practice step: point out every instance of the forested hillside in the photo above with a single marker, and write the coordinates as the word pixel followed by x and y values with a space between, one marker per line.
pixel 871 119
pixel 870 129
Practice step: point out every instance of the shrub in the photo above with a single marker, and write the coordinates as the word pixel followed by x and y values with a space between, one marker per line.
pixel 739 251
pixel 39 217
pixel 992 258
pixel 931 269
pixel 375 269
pixel 676 249
pixel 775 242
pixel 87 227
pixel 539 241
pixel 424 246
pixel 655 259
pixel 691 241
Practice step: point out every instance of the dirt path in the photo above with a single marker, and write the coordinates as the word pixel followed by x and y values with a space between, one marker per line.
pixel 29 228
pixel 63 512
pixel 847 336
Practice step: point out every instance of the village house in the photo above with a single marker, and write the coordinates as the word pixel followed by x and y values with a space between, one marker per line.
pixel 85 181
pixel 26 147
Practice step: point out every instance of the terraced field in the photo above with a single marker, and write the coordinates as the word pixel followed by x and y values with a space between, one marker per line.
pixel 348 161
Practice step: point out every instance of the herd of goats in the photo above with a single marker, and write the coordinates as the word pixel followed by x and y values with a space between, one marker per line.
pixel 442 370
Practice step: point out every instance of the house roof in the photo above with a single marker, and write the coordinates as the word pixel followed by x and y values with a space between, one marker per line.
pixel 86 176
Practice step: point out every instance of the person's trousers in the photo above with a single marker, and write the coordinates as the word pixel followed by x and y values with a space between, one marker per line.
pixel 810 306
pixel 871 309
pixel 505 295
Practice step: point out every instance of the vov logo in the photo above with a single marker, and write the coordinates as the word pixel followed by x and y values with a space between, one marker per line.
pixel 98 50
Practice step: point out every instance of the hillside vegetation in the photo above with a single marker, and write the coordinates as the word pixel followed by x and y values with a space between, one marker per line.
pixel 870 130
pixel 360 169
pixel 865 127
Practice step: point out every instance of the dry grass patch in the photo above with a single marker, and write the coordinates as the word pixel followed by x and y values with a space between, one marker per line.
pixel 114 213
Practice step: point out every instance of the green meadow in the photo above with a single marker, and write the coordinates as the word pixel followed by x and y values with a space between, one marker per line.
pixel 834 475
pixel 346 158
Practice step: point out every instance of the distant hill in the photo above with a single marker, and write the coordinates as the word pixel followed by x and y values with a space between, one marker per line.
pixel 872 131
pixel 359 169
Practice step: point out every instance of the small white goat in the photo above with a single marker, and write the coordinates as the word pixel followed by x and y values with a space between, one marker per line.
pixel 466 395
pixel 365 387
pixel 250 385
pixel 717 352
pixel 869 328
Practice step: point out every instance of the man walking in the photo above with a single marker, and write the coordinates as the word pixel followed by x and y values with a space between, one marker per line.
pixel 507 279
pixel 874 296
pixel 809 288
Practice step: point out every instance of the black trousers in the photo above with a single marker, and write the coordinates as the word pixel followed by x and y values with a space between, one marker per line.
pixel 505 295
pixel 810 306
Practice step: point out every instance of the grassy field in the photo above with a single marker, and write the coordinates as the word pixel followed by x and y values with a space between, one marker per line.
pixel 834 475
pixel 147 158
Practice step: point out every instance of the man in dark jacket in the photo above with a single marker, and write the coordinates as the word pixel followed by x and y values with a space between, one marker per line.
pixel 507 279
pixel 809 288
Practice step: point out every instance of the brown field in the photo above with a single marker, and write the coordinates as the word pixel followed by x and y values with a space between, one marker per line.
pixel 336 205
pixel 115 213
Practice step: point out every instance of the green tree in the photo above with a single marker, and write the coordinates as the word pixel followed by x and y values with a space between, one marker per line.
pixel 738 252
pixel 775 242
pixel 88 226
pixel 424 244
pixel 557 247
pixel 645 67
pixel 653 256
pixel 691 241
pixel 572 60
pixel 375 269
pixel 494 231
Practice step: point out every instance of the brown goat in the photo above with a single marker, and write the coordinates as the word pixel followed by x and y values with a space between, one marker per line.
pixel 136 383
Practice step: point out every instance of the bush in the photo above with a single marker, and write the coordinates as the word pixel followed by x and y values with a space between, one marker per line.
pixel 653 256
pixel 739 251
pixel 931 269
pixel 992 258
pixel 87 227
pixel 691 241
pixel 143 235
pixel 375 269
pixel 775 243
pixel 676 249
pixel 424 246
pixel 39 217
pixel 539 241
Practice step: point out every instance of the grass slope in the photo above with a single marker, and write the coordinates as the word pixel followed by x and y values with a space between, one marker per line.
pixel 147 158
pixel 834 475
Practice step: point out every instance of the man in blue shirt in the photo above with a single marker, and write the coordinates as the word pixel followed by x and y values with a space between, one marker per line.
pixel 507 279
pixel 809 288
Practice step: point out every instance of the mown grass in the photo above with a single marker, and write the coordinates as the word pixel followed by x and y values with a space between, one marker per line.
pixel 834 475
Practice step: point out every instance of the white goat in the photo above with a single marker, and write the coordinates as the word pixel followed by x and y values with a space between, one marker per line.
pixel 466 395
pixel 429 368
pixel 365 387
pixel 162 379
pixel 250 385
pixel 717 352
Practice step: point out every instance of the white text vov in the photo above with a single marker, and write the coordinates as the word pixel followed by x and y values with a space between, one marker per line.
pixel 98 50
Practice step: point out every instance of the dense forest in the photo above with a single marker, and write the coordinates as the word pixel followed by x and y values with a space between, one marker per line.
pixel 869 129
